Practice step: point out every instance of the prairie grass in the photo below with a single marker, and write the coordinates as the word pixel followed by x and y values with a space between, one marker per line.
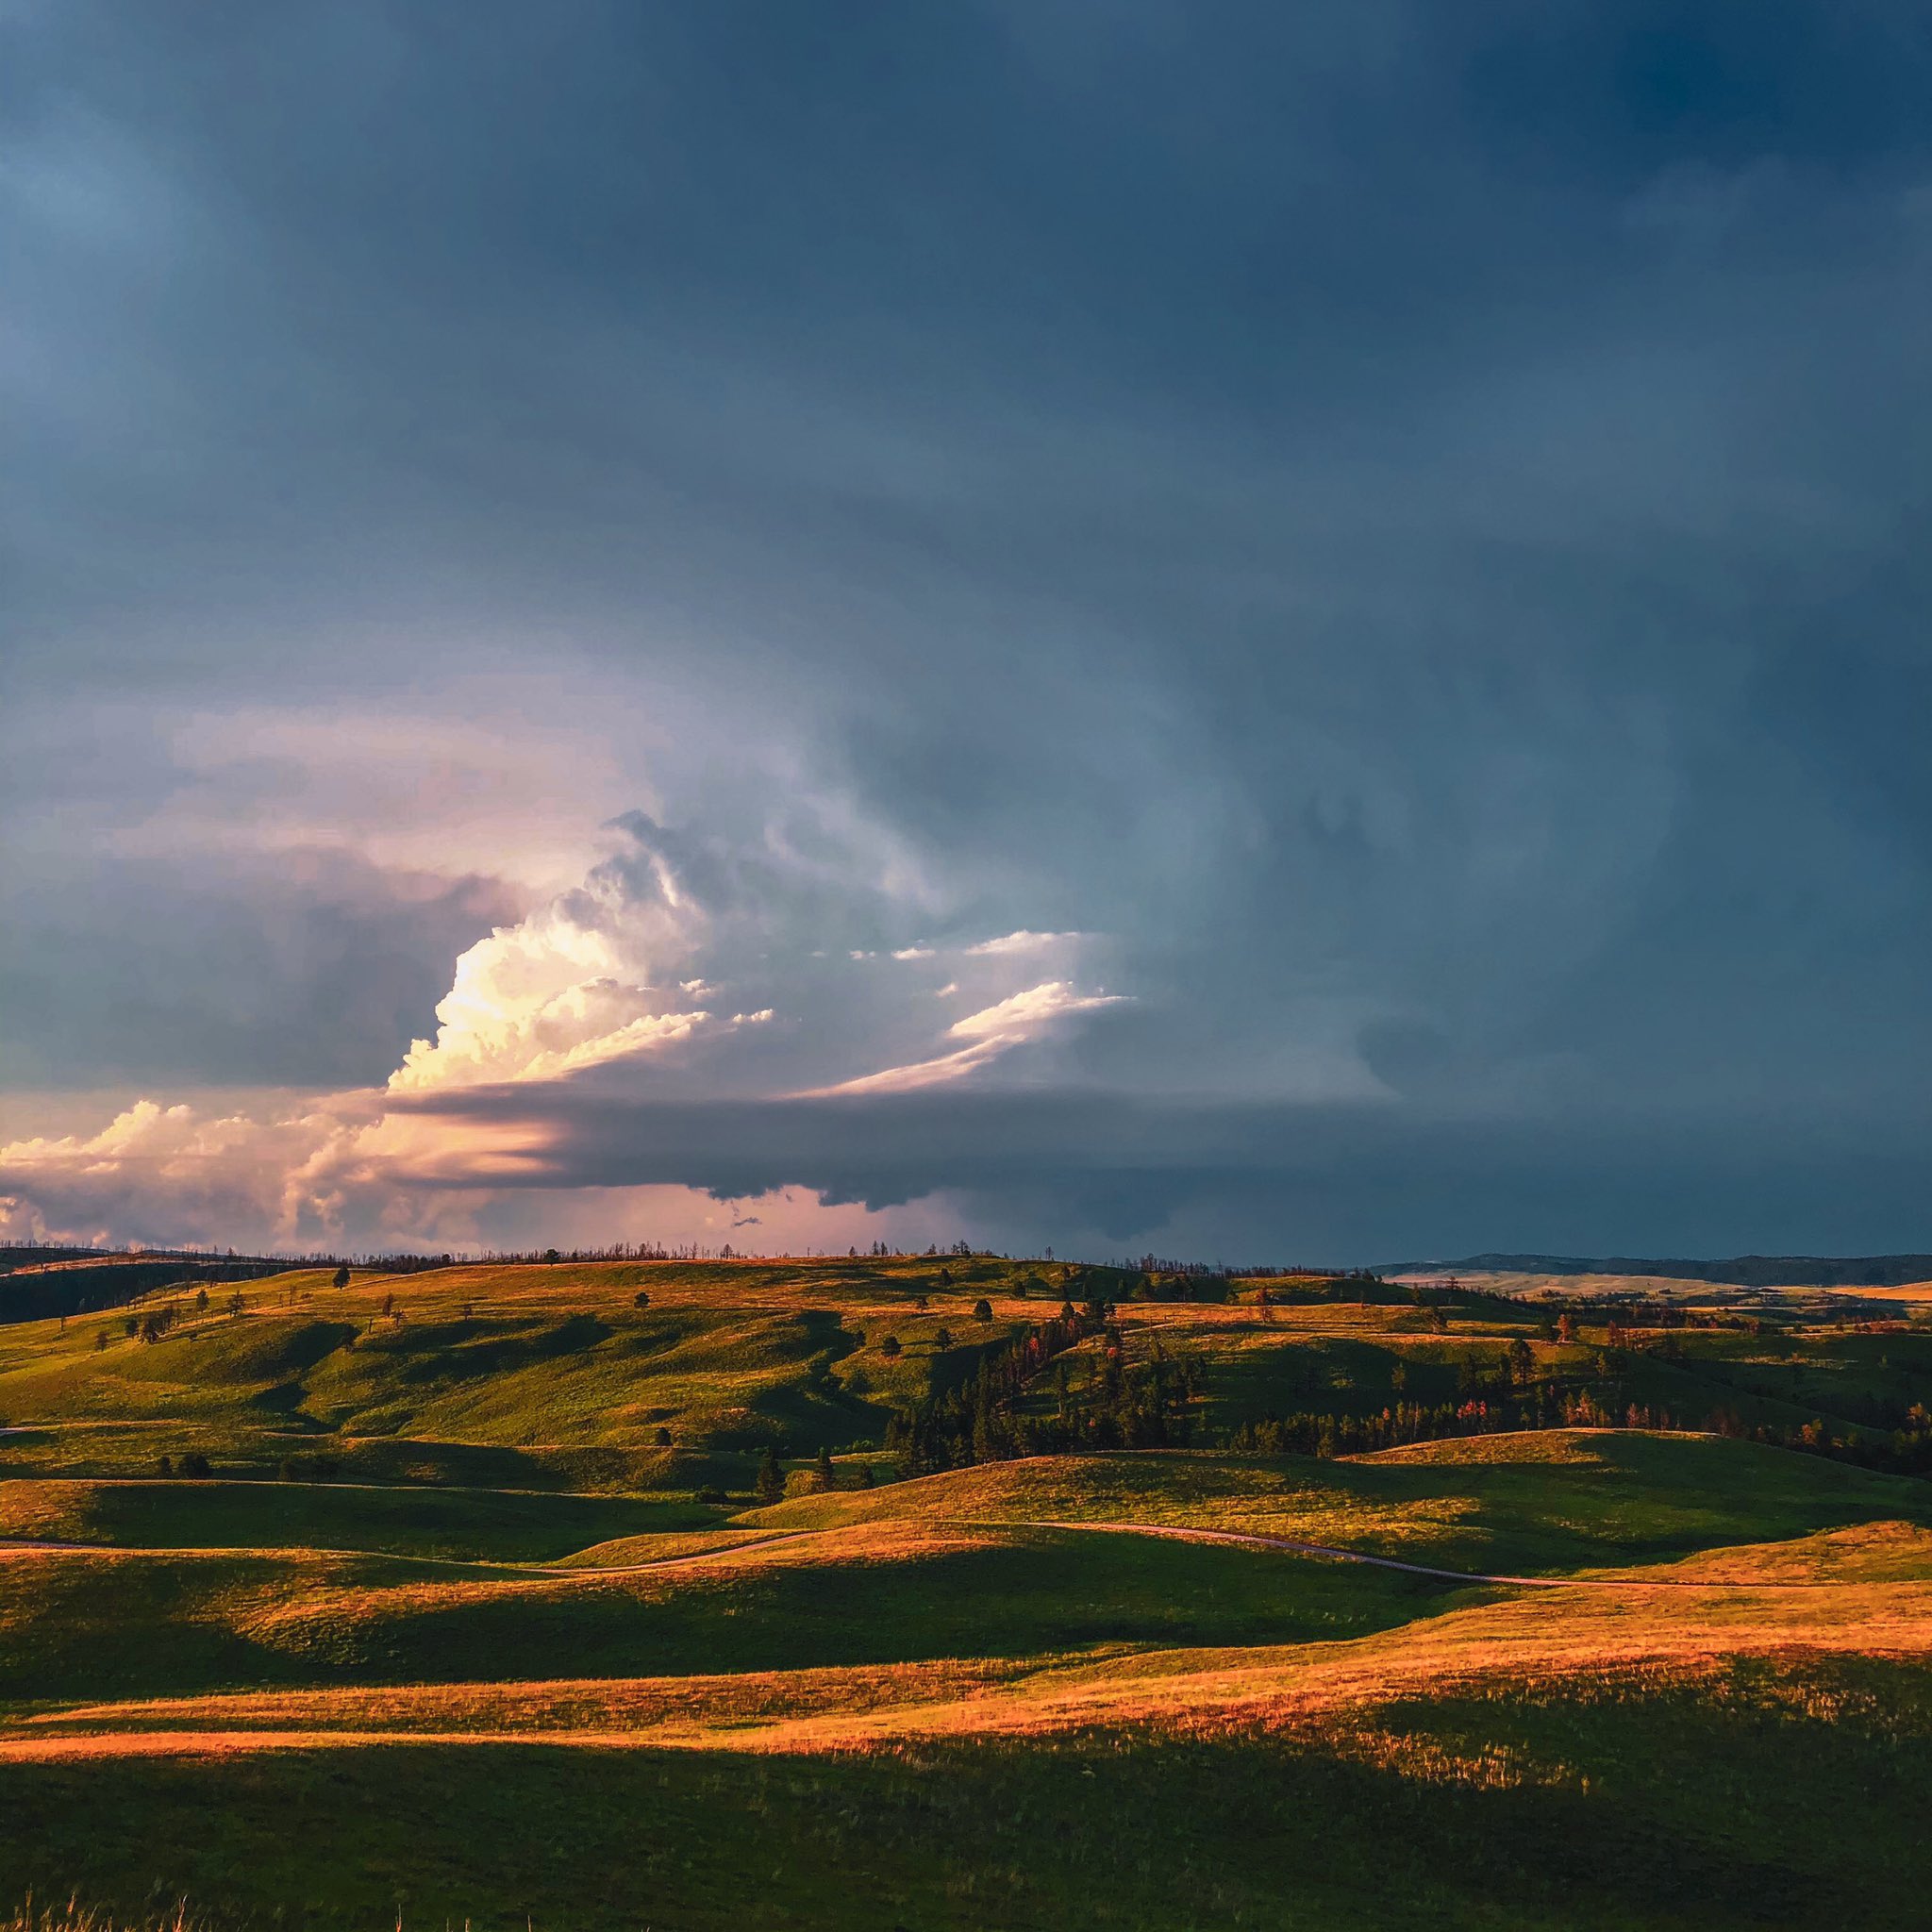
pixel 501 1667
pixel 71 1916
pixel 1604 1805
pixel 417 1521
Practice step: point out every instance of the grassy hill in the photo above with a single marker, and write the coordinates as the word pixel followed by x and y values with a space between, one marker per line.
pixel 449 1627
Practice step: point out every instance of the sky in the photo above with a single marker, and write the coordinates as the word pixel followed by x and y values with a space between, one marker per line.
pixel 1259 633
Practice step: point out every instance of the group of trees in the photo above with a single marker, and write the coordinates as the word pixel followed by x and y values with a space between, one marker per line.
pixel 1905 1450
pixel 975 1420
pixel 771 1483
pixel 1102 1399
pixel 152 1324
pixel 1126 1404
pixel 1329 1433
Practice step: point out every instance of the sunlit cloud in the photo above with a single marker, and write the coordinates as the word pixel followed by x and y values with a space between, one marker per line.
pixel 605 979
pixel 1020 1018
pixel 1022 942
pixel 1022 1015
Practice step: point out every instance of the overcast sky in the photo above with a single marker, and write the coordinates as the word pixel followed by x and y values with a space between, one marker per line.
pixel 1265 632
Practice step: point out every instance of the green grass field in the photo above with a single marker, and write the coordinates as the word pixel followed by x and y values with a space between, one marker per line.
pixel 450 1631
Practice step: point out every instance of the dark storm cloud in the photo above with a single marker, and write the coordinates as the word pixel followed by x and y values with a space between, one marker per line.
pixel 1411 520
pixel 1347 1181
pixel 312 969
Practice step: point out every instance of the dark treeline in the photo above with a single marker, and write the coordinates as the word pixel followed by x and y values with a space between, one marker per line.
pixel 1902 1448
pixel 73 1289
pixel 1905 1450
pixel 1123 1405
pixel 976 1419
pixel 508 1258
pixel 1000 1411
pixel 1269 1271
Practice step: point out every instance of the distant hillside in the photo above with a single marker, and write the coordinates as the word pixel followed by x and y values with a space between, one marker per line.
pixel 1740 1271
pixel 32 1289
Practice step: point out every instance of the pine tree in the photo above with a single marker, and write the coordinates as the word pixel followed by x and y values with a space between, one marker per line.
pixel 770 1487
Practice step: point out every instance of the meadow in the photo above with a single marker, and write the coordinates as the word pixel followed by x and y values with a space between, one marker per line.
pixel 952 1592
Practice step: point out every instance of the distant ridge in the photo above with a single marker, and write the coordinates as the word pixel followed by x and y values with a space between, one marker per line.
pixel 40 1282
pixel 1740 1271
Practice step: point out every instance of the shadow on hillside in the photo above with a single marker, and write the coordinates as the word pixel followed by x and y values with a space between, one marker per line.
pixel 1667 1813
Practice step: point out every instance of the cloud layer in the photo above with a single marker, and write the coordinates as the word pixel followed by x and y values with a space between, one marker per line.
pixel 606 977
pixel 1351 565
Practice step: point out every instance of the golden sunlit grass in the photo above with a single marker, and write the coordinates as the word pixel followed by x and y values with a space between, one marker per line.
pixel 1700 1617
pixel 502 1656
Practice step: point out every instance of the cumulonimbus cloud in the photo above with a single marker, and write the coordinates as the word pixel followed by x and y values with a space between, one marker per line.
pixel 681 967
pixel 1013 1021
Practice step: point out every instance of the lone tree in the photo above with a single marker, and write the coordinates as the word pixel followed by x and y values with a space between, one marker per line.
pixel 770 1487
pixel 340 1277
pixel 642 1299
pixel 982 1309
pixel 889 1347
pixel 663 1438
pixel 827 1474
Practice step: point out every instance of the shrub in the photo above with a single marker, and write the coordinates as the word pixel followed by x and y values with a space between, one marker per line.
pixel 196 1467
pixel 640 1300
pixel 662 1439
pixel 982 1309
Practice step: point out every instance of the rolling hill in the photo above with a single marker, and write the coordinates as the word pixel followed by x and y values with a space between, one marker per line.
pixel 957 1593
